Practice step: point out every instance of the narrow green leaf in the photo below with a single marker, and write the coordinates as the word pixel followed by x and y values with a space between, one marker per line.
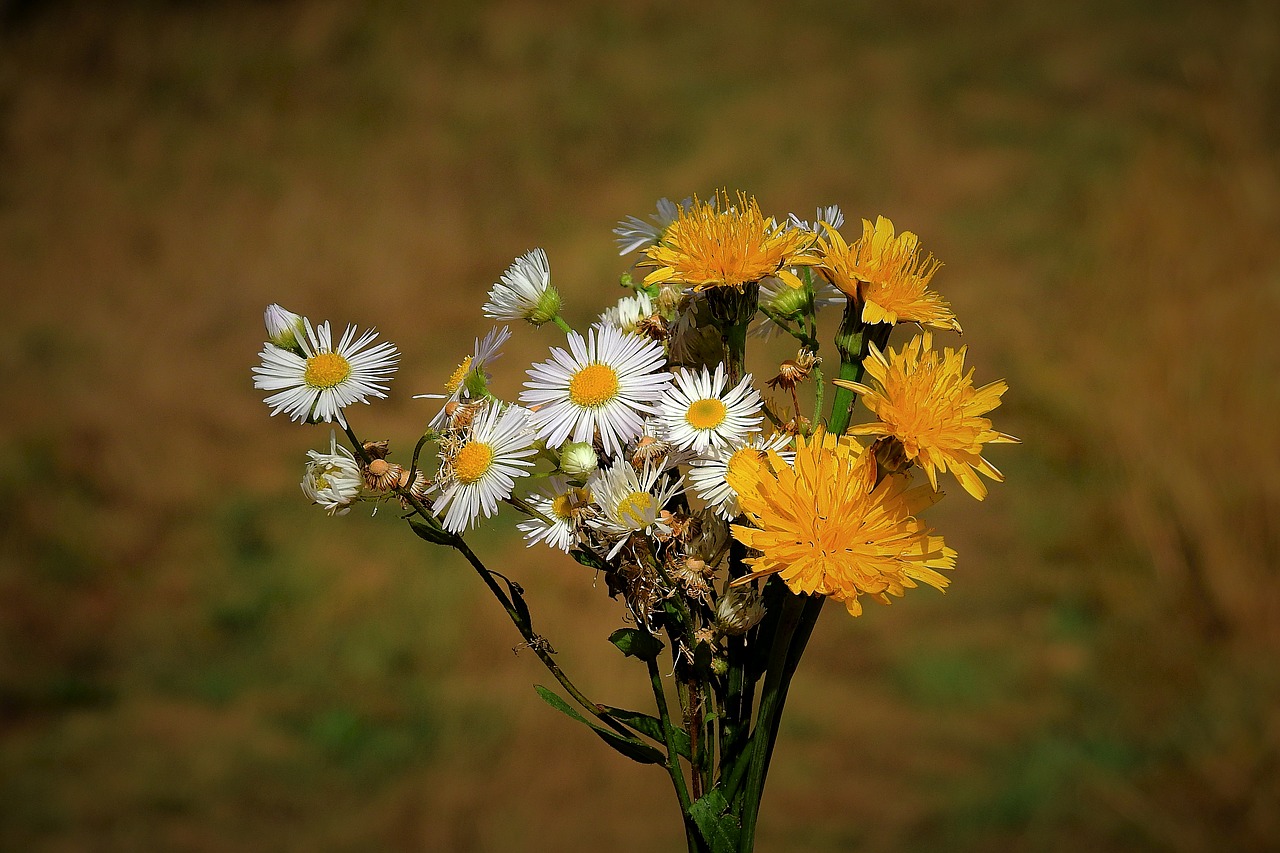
pixel 588 559
pixel 634 749
pixel 651 727
pixel 431 533
pixel 635 643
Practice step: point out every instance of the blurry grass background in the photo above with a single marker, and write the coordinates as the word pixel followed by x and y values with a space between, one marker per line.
pixel 192 659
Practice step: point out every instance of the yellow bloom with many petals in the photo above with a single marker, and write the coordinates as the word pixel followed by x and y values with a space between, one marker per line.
pixel 891 273
pixel 928 403
pixel 827 527
pixel 718 244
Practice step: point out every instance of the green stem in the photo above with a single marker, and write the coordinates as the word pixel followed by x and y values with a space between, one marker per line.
pixel 559 321
pixel 692 836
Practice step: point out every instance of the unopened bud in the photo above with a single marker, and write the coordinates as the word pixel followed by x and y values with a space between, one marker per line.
pixel 284 328
pixel 578 459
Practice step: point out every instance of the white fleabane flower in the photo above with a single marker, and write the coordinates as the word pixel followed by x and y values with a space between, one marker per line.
pixel 831 214
pixel 606 381
pixel 481 468
pixel 709 476
pixel 700 413
pixel 284 328
pixel 635 233
pixel 629 311
pixel 470 376
pixel 332 480
pixel 318 383
pixel 631 502
pixel 563 505
pixel 524 291
pixel 784 300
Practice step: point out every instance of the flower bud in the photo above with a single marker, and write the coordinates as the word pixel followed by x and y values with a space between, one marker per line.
pixel 578 459
pixel 284 328
pixel 738 610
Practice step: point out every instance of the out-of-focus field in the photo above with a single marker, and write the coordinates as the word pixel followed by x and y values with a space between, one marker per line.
pixel 193 659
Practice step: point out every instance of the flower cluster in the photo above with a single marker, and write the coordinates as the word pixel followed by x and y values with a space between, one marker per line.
pixel 722 509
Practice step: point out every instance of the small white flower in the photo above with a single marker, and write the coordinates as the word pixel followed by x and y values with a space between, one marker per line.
pixel 629 311
pixel 469 376
pixel 324 379
pixel 783 299
pixel 632 502
pixel 607 381
pixel 284 328
pixel 525 291
pixel 635 233
pixel 831 214
pixel 709 476
pixel 481 469
pixel 698 413
pixel 332 480
pixel 564 507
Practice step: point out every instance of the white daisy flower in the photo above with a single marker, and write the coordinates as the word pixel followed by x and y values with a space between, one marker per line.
pixel 783 299
pixel 332 480
pixel 634 233
pixel 482 468
pixel 525 291
pixel 629 311
pixel 284 328
pixel 697 413
pixel 630 501
pixel 563 505
pixel 324 379
pixel 709 476
pixel 607 381
pixel 831 214
pixel 469 376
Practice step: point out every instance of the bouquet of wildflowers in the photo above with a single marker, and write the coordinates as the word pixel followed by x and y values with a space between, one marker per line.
pixel 723 511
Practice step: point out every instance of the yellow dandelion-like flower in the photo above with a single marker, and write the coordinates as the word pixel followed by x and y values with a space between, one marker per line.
pixel 893 276
pixel 828 528
pixel 928 402
pixel 718 244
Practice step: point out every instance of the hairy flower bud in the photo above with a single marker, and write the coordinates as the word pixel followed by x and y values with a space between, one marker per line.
pixel 578 459
pixel 284 328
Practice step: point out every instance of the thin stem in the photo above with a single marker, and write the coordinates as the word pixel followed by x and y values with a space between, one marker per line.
pixel 673 758
pixel 559 321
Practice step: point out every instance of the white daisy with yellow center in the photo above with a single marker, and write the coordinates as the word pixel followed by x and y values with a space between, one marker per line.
pixel 564 507
pixel 482 466
pixel 607 381
pixel 632 502
pixel 524 291
pixel 709 476
pixel 332 480
pixel 469 378
pixel 700 413
pixel 319 381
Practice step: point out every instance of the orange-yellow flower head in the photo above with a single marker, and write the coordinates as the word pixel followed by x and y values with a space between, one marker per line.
pixel 828 528
pixel 928 402
pixel 893 276
pixel 719 244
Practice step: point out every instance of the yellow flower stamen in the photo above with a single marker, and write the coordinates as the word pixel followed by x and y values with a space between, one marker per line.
pixel 593 385
pixel 326 370
pixel 565 507
pixel 636 509
pixel 706 414
pixel 459 374
pixel 472 462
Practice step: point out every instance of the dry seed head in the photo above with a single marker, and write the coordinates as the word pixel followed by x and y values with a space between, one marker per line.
pixel 654 327
pixel 793 371
pixel 377 449
pixel 381 475
pixel 649 449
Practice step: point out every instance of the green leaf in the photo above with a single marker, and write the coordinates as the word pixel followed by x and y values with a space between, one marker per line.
pixel 719 829
pixel 431 533
pixel 588 559
pixel 635 643
pixel 652 727
pixel 634 749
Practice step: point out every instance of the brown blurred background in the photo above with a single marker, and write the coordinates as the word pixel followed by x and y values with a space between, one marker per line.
pixel 193 659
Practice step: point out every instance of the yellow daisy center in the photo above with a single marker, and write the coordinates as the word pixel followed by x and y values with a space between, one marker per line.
pixel 472 462
pixel 635 508
pixel 455 378
pixel 706 414
pixel 593 385
pixel 565 506
pixel 326 370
